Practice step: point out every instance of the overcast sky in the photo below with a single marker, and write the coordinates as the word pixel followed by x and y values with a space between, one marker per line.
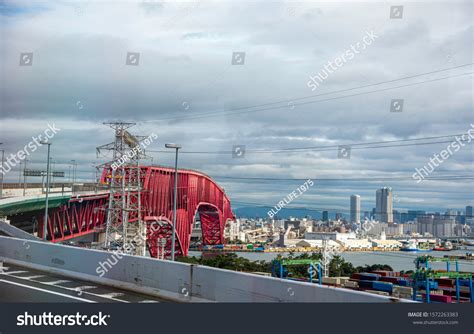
pixel 79 79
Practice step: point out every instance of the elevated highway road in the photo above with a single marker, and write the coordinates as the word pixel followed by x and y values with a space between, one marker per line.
pixel 20 284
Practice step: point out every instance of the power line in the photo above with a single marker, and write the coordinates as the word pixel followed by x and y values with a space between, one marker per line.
pixel 243 109
pixel 359 144
pixel 204 115
pixel 355 146
pixel 316 179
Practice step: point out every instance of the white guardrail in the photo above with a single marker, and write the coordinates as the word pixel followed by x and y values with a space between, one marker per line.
pixel 174 281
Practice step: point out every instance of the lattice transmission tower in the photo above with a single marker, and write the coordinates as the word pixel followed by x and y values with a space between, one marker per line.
pixel 125 229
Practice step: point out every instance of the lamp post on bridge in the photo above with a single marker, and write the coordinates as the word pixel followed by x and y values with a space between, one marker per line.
pixel 45 222
pixel 24 178
pixel 3 161
pixel 173 228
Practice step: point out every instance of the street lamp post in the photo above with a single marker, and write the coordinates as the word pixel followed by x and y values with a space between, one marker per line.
pixel 24 178
pixel 45 222
pixel 173 234
pixel 19 174
pixel 73 175
pixel 3 162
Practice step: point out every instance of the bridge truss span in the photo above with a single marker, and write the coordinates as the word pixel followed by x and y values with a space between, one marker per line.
pixel 198 198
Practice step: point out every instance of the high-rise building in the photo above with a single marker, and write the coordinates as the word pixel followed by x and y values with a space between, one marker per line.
pixel 469 211
pixel 384 205
pixel 396 216
pixel 355 209
pixel 451 213
pixel 325 216
pixel 469 219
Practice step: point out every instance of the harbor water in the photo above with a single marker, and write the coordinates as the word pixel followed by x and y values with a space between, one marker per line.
pixel 397 260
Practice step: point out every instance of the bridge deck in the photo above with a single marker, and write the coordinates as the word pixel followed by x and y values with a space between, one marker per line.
pixel 15 205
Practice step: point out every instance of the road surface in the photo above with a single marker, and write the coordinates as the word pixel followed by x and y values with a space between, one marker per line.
pixel 18 284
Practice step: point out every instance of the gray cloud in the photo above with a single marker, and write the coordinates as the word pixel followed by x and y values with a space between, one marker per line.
pixel 79 79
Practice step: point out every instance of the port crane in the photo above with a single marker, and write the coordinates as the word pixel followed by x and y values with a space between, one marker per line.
pixel 424 276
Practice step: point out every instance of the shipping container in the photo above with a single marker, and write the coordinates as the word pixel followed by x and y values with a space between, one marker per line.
pixel 367 284
pixel 351 284
pixel 369 276
pixel 390 279
pixel 384 272
pixel 438 298
pixel 446 281
pixel 382 286
pixel 404 282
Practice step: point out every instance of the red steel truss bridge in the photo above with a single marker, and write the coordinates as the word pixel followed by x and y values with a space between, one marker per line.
pixel 197 194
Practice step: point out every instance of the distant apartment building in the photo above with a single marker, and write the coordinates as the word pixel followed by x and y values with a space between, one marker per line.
pixel 355 209
pixel 384 205
pixel 232 230
pixel 410 228
pixel 394 230
pixel 425 224
pixel 437 225
pixel 329 236
pixel 462 230
pixel 295 223
pixel 443 226
pixel 451 213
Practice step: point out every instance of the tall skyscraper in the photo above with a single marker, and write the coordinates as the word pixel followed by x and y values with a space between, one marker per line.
pixel 469 220
pixel 384 205
pixel 325 216
pixel 355 209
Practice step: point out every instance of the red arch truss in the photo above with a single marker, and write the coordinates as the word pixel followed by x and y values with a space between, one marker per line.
pixel 197 194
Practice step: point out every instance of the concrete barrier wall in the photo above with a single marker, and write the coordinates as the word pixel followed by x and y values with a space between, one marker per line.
pixel 15 232
pixel 230 286
pixel 170 280
pixel 165 279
